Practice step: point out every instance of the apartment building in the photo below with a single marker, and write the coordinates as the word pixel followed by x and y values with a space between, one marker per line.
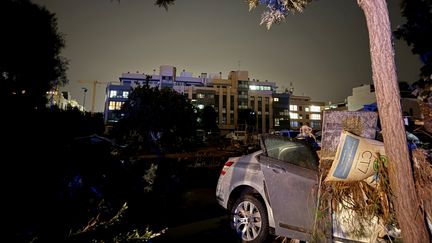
pixel 227 96
pixel 304 111
pixel 365 95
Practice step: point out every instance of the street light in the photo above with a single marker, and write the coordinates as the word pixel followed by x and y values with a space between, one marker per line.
pixel 85 92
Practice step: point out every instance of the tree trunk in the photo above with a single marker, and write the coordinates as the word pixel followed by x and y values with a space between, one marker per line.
pixel 408 211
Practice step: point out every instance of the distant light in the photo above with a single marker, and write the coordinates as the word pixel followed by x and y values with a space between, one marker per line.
pixel 200 106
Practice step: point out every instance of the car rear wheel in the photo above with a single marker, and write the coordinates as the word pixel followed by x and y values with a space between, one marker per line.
pixel 249 219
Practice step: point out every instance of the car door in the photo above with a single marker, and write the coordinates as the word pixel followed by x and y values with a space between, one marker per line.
pixel 291 173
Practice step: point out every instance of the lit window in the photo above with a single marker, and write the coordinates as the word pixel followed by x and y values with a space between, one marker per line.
pixel 314 108
pixel 253 87
pixel 276 121
pixel 275 99
pixel 201 96
pixel 111 105
pixel 294 124
pixel 293 107
pixel 125 94
pixel 115 105
pixel 113 93
pixel 200 106
pixel 293 115
pixel 307 109
pixel 118 105
pixel 315 116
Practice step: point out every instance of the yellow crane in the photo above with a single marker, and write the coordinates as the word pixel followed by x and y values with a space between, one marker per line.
pixel 94 82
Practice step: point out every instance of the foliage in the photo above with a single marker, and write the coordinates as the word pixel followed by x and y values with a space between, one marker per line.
pixel 39 161
pixel 361 201
pixel 207 119
pixel 247 117
pixel 162 119
pixel 277 9
pixel 275 13
pixel 164 3
pixel 417 31
pixel 30 61
pixel 96 230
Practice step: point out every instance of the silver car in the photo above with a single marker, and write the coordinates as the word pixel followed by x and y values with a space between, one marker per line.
pixel 272 190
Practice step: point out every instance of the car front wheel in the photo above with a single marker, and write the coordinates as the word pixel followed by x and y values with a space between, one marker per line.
pixel 249 219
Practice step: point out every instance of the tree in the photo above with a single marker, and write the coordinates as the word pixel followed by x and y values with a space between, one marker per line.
pixel 207 118
pixel 417 31
pixel 30 61
pixel 164 3
pixel 247 117
pixel 154 117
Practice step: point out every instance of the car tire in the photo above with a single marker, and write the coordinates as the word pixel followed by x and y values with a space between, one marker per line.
pixel 249 219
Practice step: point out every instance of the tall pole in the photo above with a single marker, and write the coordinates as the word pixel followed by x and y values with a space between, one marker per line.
pixel 94 96
pixel 84 100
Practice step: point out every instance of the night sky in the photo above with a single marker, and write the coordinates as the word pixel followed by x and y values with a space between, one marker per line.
pixel 323 52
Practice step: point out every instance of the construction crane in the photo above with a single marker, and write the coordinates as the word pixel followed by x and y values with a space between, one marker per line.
pixel 94 82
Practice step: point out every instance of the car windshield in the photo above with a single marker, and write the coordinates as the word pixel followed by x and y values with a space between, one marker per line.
pixel 290 151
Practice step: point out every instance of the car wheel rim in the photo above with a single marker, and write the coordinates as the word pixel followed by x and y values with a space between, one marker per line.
pixel 247 220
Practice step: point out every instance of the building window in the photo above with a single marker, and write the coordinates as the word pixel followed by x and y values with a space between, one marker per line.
pixel 300 108
pixel 315 108
pixel 276 122
pixel 200 96
pixel 113 93
pixel 293 115
pixel 307 116
pixel 115 105
pixel 293 107
pixel 259 87
pixel 267 100
pixel 307 109
pixel 294 123
pixel 275 99
pixel 315 116
pixel 315 124
pixel 125 94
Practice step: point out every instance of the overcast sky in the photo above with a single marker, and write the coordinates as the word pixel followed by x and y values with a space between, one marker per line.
pixel 323 52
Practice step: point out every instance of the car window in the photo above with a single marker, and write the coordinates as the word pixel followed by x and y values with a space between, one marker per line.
pixel 291 151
